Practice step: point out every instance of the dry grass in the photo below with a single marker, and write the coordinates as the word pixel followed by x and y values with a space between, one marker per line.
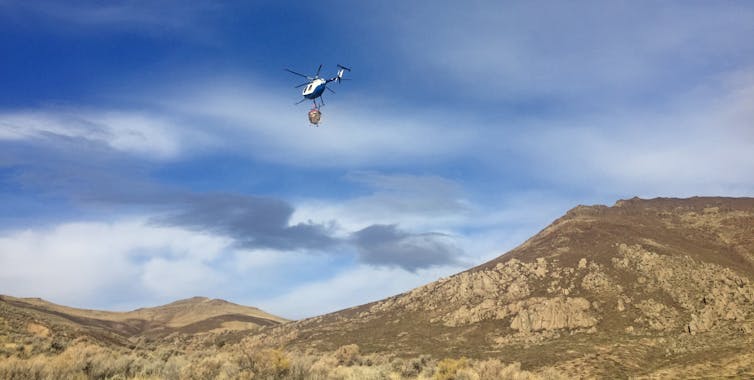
pixel 84 360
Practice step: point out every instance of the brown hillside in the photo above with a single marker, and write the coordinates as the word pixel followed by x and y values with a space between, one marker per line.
pixel 645 287
pixel 36 318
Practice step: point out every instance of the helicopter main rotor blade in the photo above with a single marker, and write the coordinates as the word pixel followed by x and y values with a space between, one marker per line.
pixel 302 84
pixel 300 101
pixel 299 74
pixel 331 90
pixel 318 69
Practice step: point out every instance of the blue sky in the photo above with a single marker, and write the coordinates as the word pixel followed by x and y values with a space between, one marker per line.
pixel 151 151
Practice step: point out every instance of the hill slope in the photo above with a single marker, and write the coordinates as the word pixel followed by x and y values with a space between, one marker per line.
pixel 639 288
pixel 41 319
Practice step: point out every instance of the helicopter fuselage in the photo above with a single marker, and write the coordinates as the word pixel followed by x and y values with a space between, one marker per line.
pixel 314 89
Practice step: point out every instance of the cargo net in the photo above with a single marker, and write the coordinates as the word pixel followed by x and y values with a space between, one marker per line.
pixel 315 116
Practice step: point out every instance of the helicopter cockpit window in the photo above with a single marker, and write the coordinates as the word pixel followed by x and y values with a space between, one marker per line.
pixel 309 87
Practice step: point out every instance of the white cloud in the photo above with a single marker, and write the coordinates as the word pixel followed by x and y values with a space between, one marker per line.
pixel 261 259
pixel 257 121
pixel 417 202
pixel 104 263
pixel 700 144
pixel 139 133
pixel 179 278
pixel 249 120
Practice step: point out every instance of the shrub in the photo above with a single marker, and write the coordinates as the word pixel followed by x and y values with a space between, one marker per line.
pixel 322 367
pixel 201 369
pixel 171 369
pixel 411 367
pixel 301 367
pixel 514 372
pixel 267 363
pixel 494 369
pixel 13 368
pixel 348 355
pixel 552 374
pixel 489 369
pixel 466 374
pixel 360 373
pixel 448 368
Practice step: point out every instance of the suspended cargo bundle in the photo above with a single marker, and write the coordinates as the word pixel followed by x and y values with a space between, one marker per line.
pixel 315 116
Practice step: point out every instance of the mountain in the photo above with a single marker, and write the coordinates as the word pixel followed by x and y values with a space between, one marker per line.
pixel 659 287
pixel 37 317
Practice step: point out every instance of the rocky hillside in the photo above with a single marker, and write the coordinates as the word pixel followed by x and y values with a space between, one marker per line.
pixel 34 320
pixel 655 287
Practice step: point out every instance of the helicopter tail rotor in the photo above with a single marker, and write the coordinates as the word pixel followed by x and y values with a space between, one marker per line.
pixel 341 70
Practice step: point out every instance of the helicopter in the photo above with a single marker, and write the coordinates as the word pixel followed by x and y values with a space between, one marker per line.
pixel 315 87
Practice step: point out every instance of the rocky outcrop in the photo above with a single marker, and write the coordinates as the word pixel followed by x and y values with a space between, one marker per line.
pixel 486 310
pixel 657 316
pixel 664 294
pixel 599 282
pixel 505 283
pixel 538 314
pixel 708 293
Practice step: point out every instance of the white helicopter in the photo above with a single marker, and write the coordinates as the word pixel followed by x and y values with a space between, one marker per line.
pixel 315 87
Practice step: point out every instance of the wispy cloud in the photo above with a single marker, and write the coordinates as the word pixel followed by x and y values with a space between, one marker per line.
pixel 136 132
pixel 585 54
pixel 417 202
pixel 154 18
pixel 352 134
pixel 250 120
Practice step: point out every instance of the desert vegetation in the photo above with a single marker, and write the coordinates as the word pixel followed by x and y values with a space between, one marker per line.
pixel 83 359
